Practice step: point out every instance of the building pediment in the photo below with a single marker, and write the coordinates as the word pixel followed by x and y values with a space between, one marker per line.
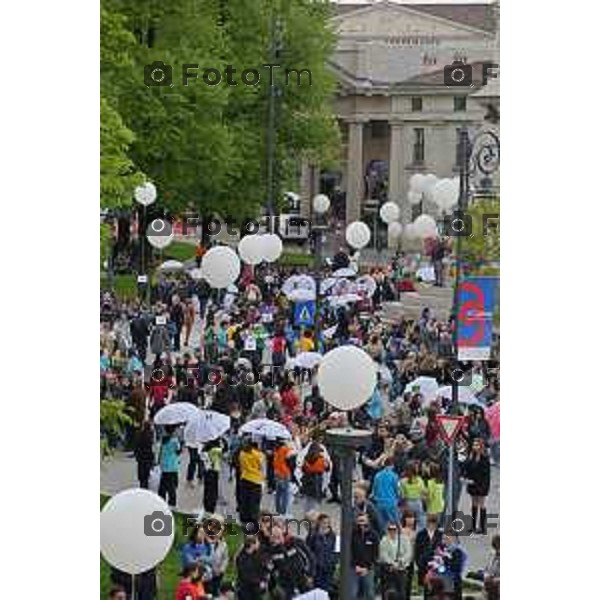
pixel 392 20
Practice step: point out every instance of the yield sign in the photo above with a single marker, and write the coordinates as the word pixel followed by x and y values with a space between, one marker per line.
pixel 449 427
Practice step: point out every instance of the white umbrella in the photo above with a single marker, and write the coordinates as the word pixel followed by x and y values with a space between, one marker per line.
pixel 465 394
pixel 301 295
pixel 344 299
pixel 327 284
pixel 426 386
pixel 426 274
pixel 346 272
pixel 195 274
pixel 266 428
pixel 298 282
pixel 171 265
pixel 207 425
pixel 304 360
pixel 176 413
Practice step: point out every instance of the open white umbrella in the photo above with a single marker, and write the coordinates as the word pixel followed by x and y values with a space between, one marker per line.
pixel 207 425
pixel 465 394
pixel 327 284
pixel 426 386
pixel 296 282
pixel 195 274
pixel 176 413
pixel 301 295
pixel 344 299
pixel 346 272
pixel 266 428
pixel 304 360
pixel 171 265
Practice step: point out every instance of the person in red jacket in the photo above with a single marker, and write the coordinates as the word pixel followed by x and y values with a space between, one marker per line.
pixel 190 587
pixel 289 398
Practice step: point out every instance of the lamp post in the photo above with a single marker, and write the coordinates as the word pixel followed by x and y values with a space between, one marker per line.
pixel 478 156
pixel 145 195
pixel 320 206
pixel 344 442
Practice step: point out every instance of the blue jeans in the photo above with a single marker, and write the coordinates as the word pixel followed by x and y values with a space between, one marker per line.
pixel 363 586
pixel 282 495
pixel 387 513
pixel 417 507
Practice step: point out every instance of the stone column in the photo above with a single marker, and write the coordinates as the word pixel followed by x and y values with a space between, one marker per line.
pixel 355 174
pixel 397 161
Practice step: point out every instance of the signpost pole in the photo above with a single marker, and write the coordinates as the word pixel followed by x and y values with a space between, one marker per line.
pixel 451 480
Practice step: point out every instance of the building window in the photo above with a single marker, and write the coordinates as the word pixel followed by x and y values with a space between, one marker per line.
pixel 419 146
pixel 378 129
pixel 460 103
pixel 417 104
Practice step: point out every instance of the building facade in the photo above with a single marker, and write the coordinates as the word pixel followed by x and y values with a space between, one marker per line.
pixel 395 110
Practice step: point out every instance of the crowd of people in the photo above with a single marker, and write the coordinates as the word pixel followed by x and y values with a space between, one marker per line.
pixel 232 351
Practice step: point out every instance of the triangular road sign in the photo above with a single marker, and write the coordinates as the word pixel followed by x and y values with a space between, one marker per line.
pixel 449 427
pixel 305 316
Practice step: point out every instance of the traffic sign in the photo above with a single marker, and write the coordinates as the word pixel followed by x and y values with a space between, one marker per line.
pixel 449 427
pixel 304 313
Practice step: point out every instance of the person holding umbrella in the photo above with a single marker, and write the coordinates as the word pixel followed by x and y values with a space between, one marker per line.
pixel 212 457
pixel 252 465
pixel 170 451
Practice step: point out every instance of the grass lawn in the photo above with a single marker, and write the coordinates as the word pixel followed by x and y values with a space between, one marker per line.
pixel 168 571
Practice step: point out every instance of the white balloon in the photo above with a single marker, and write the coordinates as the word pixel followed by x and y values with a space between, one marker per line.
pixel 445 193
pixel 414 197
pixel 395 230
pixel 272 247
pixel 417 183
pixel 160 241
pixel 123 520
pixel 250 249
pixel 358 234
pixel 347 377
pixel 221 266
pixel 145 194
pixel 410 232
pixel 429 184
pixel 425 226
pixel 321 203
pixel 389 212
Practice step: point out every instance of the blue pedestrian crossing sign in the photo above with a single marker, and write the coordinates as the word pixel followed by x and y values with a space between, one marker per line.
pixel 304 313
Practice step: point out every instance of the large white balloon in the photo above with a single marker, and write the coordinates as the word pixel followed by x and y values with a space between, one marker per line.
pixel 445 193
pixel 425 226
pixel 272 247
pixel 389 212
pixel 137 530
pixel 321 203
pixel 145 194
pixel 410 232
pixel 358 234
pixel 429 184
pixel 414 197
pixel 347 377
pixel 417 183
pixel 221 266
pixel 250 249
pixel 395 230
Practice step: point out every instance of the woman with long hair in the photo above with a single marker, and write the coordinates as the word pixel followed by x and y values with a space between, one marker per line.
pixel 413 493
pixel 408 534
pixel 477 473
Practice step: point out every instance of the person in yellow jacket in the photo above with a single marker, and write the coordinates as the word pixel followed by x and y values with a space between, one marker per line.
pixel 251 466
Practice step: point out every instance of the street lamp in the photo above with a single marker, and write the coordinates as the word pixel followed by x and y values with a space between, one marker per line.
pixel 145 195
pixel 320 206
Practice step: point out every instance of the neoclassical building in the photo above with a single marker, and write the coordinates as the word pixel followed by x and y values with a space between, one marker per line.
pixel 396 113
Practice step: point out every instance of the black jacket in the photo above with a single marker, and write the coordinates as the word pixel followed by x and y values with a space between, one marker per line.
pixel 293 562
pixel 424 549
pixel 479 472
pixel 365 548
pixel 251 570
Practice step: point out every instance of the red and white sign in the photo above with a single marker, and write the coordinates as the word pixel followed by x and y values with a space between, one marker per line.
pixel 449 427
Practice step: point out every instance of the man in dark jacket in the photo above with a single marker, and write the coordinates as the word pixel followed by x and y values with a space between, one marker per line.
pixel 293 564
pixel 364 554
pixel 426 542
pixel 251 568
pixel 139 334
pixel 321 541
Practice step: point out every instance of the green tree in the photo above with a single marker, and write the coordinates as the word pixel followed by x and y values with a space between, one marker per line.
pixel 481 251
pixel 115 415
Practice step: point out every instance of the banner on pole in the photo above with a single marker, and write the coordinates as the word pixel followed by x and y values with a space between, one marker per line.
pixel 475 322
